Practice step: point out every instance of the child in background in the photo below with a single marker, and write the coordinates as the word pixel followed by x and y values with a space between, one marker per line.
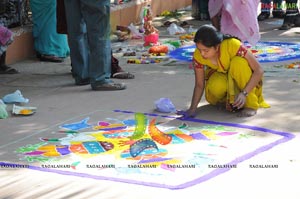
pixel 6 38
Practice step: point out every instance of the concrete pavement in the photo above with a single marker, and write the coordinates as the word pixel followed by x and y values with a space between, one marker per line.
pixel 50 88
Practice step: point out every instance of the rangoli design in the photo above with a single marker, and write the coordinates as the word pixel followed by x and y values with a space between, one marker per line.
pixel 147 149
pixel 263 51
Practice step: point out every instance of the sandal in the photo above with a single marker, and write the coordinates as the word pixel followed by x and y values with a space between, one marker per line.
pixel 184 23
pixel 109 87
pixel 167 24
pixel 7 70
pixel 123 75
pixel 285 27
pixel 51 58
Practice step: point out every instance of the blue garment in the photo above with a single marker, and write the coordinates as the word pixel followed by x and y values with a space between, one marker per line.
pixel 266 5
pixel 46 40
pixel 89 39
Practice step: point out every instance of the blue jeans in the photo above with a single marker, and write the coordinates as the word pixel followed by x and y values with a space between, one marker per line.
pixel 88 24
pixel 266 5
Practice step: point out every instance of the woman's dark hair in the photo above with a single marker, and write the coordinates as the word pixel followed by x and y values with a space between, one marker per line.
pixel 209 36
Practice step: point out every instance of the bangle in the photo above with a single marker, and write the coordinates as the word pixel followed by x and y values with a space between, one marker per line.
pixel 244 93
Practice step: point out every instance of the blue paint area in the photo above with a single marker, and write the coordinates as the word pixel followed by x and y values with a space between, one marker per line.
pixel 139 146
pixel 118 135
pixel 129 122
pixel 78 125
pixel 269 52
pixel 176 139
pixel 93 147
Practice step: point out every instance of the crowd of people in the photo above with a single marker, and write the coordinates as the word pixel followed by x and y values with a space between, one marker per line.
pixel 225 71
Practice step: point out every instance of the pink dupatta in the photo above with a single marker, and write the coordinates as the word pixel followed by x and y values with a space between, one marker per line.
pixel 238 18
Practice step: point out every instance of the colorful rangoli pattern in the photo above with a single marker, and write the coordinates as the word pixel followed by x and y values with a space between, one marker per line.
pixel 148 149
pixel 263 51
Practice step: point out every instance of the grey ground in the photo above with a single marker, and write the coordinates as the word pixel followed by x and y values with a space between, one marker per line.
pixel 51 89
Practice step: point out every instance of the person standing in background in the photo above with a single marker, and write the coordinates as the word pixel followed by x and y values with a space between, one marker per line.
pixel 49 45
pixel 292 17
pixel 6 38
pixel 116 70
pixel 236 18
pixel 200 9
pixel 88 24
pixel 266 7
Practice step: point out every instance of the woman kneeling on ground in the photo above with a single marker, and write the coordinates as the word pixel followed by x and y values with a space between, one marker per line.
pixel 228 72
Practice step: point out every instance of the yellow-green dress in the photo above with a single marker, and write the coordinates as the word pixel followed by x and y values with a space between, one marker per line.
pixel 225 80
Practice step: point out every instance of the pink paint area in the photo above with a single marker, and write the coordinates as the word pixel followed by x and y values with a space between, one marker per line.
pixel 33 153
pixel 101 123
pixel 226 133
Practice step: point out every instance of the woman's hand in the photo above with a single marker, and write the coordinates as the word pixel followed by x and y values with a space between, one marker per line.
pixel 240 101
pixel 186 114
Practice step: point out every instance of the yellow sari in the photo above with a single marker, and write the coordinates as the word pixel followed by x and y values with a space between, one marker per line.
pixel 226 79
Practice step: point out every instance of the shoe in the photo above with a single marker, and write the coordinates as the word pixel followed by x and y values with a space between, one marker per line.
pixel 263 15
pixel 183 24
pixel 285 26
pixel 278 14
pixel 288 22
pixel 297 21
pixel 4 69
pixel 122 75
pixel 204 17
pixel 82 82
pixel 167 23
pixel 50 58
pixel 109 86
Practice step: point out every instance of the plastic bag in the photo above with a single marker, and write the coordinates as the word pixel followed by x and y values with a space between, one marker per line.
pixel 192 30
pixel 173 29
pixel 3 112
pixel 15 97
pixel 135 33
pixel 165 105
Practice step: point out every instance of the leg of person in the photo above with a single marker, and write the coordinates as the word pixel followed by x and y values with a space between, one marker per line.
pixel 196 9
pixel 215 9
pixel 277 11
pixel 215 20
pixel 4 69
pixel 204 10
pixel 49 45
pixel 241 73
pixel 265 10
pixel 117 71
pixel 97 17
pixel 215 87
pixel 78 42
pixel 292 15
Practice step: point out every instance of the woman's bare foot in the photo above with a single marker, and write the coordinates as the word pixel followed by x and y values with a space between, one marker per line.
pixel 247 112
